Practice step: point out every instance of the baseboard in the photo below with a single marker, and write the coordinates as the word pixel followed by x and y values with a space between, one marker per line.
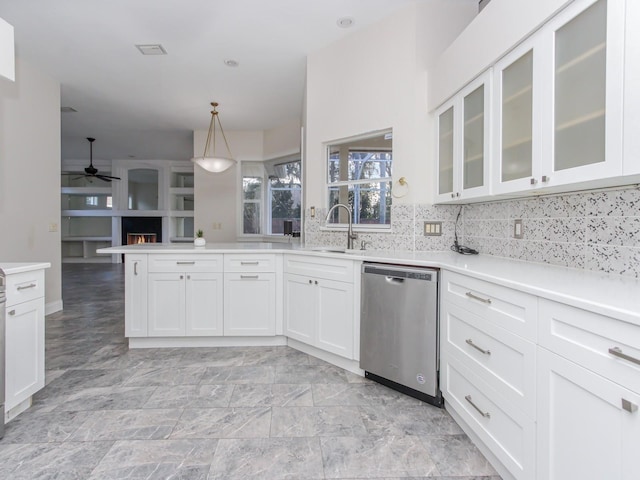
pixel 53 307
pixel 183 342
pixel 352 366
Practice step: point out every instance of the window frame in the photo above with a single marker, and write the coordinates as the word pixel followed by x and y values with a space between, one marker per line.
pixel 329 185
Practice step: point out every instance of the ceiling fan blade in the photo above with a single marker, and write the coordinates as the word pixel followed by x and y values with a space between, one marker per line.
pixel 107 176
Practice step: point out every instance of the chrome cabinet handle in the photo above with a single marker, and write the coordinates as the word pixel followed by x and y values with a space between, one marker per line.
pixel 188 277
pixel 249 263
pixel 484 414
pixel 480 299
pixel 185 263
pixel 181 277
pixel 533 181
pixel 617 352
pixel 629 406
pixel 135 268
pixel 31 285
pixel 12 312
pixel 545 178
pixel 482 350
pixel 249 276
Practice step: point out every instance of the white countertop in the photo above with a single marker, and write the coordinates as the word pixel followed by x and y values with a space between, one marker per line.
pixel 611 295
pixel 10 268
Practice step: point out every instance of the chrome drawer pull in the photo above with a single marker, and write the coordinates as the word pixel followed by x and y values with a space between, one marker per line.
pixel 135 268
pixel 484 414
pixel 480 299
pixel 185 263
pixel 482 350
pixel 629 406
pixel 31 285
pixel 250 276
pixel 249 263
pixel 12 312
pixel 616 351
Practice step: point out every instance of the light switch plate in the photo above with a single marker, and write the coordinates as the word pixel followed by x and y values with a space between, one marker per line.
pixel 432 229
pixel 518 229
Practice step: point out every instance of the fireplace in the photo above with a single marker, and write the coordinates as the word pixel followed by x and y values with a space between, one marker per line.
pixel 137 230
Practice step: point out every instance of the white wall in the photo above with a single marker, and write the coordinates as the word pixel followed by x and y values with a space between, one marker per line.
pixel 376 79
pixel 474 50
pixel 30 174
pixel 282 141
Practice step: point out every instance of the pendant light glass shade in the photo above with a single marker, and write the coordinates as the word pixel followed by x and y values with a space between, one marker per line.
pixel 209 160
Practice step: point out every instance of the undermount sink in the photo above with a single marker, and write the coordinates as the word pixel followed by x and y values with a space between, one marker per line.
pixel 333 250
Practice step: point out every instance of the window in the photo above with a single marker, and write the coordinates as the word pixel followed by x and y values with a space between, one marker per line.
pixel 359 175
pixel 275 188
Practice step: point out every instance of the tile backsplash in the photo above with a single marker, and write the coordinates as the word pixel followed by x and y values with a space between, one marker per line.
pixel 597 231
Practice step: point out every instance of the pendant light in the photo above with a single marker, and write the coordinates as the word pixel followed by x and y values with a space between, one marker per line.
pixel 209 160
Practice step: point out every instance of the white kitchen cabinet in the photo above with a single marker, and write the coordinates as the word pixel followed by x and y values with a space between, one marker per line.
pixel 185 304
pixel 588 426
pixel 319 303
pixel 463 143
pixel 135 295
pixel 250 304
pixel 24 339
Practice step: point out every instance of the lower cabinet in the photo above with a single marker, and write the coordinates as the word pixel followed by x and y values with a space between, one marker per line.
pixel 320 312
pixel 182 304
pixel 249 304
pixel 24 352
pixel 135 295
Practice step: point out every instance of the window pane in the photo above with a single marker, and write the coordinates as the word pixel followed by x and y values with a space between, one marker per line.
pixel 285 196
pixel 369 202
pixel 251 218
pixel 252 188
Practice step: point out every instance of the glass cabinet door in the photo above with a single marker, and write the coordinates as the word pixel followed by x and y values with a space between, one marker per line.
pixel 580 89
pixel 445 152
pixel 517 119
pixel 473 135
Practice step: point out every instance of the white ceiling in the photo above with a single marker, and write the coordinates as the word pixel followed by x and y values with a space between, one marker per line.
pixel 148 106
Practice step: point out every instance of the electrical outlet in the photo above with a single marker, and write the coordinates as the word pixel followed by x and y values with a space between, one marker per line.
pixel 313 212
pixel 53 227
pixel 518 229
pixel 432 229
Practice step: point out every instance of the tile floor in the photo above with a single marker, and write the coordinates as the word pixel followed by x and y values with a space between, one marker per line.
pixel 270 413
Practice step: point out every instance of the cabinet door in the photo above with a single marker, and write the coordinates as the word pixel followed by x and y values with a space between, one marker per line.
pixel 586 42
pixel 300 308
pixel 249 304
pixel 166 305
pixel 516 138
pixel 135 296
pixel 203 304
pixel 588 426
pixel 445 154
pixel 334 329
pixel 24 352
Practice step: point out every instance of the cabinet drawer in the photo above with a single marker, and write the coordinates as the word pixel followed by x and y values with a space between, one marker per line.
pixel 602 344
pixel 250 263
pixel 504 360
pixel 320 267
pixel 510 309
pixel 208 262
pixel 25 286
pixel 506 431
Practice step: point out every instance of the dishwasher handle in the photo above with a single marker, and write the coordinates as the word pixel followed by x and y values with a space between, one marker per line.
pixel 394 280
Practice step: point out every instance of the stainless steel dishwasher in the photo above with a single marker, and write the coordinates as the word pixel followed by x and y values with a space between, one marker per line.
pixel 399 344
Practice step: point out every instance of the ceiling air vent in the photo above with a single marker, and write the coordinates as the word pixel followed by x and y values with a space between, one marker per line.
pixel 152 49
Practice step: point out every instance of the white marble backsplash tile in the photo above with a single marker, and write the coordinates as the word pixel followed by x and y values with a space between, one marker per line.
pixel 597 231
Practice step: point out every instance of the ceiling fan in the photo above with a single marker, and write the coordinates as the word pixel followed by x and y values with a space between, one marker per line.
pixel 91 171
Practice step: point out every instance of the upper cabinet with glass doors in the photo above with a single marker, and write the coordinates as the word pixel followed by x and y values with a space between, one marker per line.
pixel 462 126
pixel 559 103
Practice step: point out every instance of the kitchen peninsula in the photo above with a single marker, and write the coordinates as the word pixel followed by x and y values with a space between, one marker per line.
pixel 530 354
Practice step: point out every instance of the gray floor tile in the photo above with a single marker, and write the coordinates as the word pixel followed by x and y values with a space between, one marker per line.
pixel 127 425
pixel 360 394
pixel 64 461
pixel 156 459
pixel 456 455
pixel 272 395
pixel 279 355
pixel 310 374
pixel 190 396
pixel 387 420
pixel 239 375
pixel 166 376
pixel 224 423
pixel 267 459
pixel 316 422
pixel 39 427
pixel 106 398
pixel 376 457
pixel 212 357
